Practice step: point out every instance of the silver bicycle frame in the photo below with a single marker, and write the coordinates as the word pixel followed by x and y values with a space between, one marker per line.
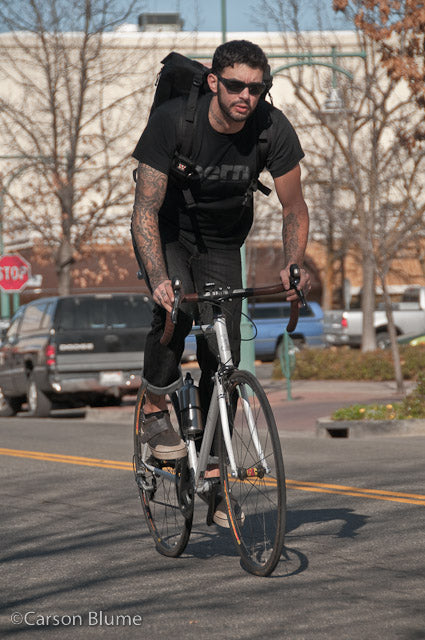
pixel 217 405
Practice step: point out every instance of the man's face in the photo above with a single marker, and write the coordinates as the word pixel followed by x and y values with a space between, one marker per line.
pixel 238 101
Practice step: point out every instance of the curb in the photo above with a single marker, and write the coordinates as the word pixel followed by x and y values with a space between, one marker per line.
pixel 116 414
pixel 328 428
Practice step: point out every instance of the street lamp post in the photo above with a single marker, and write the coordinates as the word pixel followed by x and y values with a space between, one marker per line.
pixel 223 21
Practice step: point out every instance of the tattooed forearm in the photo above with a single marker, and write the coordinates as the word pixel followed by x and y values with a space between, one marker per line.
pixel 150 191
pixel 294 236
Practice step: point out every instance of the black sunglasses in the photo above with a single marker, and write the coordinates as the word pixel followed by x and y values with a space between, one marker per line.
pixel 237 86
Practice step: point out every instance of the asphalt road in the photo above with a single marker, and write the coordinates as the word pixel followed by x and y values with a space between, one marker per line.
pixel 77 560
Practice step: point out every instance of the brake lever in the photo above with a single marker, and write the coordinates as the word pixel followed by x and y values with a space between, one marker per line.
pixel 294 281
pixel 177 285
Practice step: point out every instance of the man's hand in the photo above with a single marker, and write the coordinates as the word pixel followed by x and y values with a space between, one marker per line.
pixel 164 296
pixel 304 284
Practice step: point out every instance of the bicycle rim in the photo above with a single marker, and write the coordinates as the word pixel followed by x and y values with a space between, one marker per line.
pixel 256 498
pixel 161 496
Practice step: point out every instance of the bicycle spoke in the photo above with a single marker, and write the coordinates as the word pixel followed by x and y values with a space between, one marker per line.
pixel 169 527
pixel 259 489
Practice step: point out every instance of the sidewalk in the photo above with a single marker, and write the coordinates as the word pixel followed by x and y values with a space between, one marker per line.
pixel 311 399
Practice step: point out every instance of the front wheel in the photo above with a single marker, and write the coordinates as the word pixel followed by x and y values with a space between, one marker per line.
pixel 255 496
pixel 165 493
pixel 39 405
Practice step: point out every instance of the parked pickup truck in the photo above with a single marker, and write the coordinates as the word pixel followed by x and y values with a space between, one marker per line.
pixel 73 350
pixel 269 322
pixel 345 327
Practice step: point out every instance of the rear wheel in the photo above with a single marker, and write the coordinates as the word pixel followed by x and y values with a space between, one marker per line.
pixel 256 499
pixel 383 340
pixel 165 493
pixel 39 405
pixel 9 406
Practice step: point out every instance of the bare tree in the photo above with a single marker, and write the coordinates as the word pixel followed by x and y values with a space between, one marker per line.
pixel 69 101
pixel 399 29
pixel 381 172
pixel 332 210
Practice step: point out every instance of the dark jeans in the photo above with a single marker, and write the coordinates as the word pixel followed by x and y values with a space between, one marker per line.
pixel 194 269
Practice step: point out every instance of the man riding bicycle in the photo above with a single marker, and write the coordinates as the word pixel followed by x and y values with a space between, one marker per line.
pixel 202 244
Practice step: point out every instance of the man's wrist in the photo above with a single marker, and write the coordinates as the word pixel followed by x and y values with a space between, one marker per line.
pixel 156 281
pixel 300 263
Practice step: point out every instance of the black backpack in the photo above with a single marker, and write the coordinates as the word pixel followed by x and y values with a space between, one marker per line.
pixel 182 76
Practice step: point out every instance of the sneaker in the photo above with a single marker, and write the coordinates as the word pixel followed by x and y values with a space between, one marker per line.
pixel 220 514
pixel 163 441
pixel 220 511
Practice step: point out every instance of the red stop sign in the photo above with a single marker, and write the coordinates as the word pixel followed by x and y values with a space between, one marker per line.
pixel 14 273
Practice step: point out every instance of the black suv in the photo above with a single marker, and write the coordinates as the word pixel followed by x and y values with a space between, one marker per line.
pixel 73 351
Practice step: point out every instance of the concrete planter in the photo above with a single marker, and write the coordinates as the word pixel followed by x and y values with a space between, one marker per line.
pixel 328 428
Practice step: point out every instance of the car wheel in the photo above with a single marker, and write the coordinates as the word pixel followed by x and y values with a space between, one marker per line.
pixel 39 405
pixel 293 347
pixel 383 340
pixel 9 406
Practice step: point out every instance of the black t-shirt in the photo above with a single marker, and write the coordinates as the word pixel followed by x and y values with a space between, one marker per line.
pixel 226 165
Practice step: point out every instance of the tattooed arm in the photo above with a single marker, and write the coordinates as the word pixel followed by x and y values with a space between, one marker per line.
pixel 295 225
pixel 151 186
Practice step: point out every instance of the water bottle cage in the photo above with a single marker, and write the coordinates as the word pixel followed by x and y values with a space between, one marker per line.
pixel 190 411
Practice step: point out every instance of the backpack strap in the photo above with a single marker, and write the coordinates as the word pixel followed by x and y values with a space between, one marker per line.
pixel 183 165
pixel 185 142
pixel 263 147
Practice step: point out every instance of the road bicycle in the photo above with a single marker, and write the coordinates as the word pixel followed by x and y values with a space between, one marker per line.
pixel 249 456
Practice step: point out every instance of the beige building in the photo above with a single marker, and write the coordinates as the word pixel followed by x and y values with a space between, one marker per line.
pixel 331 65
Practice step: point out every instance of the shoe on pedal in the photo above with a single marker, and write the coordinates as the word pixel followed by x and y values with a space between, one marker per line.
pixel 220 513
pixel 163 441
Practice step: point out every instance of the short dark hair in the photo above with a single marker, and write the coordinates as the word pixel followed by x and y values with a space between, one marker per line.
pixel 239 52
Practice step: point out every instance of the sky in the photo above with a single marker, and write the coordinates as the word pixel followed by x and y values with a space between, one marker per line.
pixel 243 15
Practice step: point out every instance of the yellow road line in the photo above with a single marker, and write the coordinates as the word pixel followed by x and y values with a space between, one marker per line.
pixel 317 487
pixel 358 493
pixel 54 457
pixel 341 487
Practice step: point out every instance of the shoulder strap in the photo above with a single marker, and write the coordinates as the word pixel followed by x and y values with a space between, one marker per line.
pixel 185 135
pixel 263 146
pixel 186 127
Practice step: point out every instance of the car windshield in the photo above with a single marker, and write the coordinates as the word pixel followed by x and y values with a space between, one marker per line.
pixel 99 313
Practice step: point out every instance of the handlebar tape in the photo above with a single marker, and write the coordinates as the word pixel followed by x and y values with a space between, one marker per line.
pixel 292 322
pixel 293 317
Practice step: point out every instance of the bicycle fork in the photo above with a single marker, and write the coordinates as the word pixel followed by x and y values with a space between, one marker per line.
pixel 235 472
pixel 253 429
pixel 226 356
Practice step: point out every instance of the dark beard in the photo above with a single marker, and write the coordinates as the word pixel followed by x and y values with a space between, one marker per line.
pixel 226 111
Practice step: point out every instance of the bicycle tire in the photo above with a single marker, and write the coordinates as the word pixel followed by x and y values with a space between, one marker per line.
pixel 260 494
pixel 168 523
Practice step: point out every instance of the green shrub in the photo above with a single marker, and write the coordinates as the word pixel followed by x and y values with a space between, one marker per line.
pixel 413 406
pixel 344 363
